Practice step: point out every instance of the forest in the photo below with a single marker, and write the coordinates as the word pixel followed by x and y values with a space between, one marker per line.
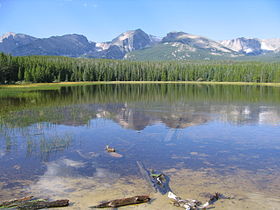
pixel 59 69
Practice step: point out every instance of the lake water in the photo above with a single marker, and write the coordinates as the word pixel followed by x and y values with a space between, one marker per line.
pixel 206 138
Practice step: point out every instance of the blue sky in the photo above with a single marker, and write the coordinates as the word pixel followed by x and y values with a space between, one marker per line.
pixel 102 20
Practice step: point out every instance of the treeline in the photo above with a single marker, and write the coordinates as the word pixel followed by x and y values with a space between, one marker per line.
pixel 57 69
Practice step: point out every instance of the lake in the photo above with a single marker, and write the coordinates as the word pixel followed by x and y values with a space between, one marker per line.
pixel 205 138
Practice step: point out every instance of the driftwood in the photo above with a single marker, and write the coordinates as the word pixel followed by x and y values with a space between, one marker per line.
pixel 190 204
pixel 44 204
pixel 32 204
pixel 158 181
pixel 14 202
pixel 124 202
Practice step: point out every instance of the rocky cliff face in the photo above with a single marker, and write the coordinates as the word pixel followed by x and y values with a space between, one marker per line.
pixel 244 45
pixel 252 46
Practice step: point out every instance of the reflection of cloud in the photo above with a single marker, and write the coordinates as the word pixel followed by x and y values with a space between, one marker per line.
pixel 2 153
pixel 63 176
pixel 269 117
pixel 105 174
pixel 63 168
pixel 73 163
pixel 56 178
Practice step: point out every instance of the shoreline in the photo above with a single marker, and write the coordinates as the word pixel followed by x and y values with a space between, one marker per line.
pixel 61 84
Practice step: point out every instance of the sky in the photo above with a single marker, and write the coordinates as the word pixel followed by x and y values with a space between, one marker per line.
pixel 103 20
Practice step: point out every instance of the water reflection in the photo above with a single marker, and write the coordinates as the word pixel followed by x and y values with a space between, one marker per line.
pixel 137 106
pixel 57 138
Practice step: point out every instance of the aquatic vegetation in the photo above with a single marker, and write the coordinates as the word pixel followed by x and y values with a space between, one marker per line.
pixel 53 145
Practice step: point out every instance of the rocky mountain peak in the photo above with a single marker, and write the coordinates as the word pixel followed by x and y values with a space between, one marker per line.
pixel 132 40
pixel 244 45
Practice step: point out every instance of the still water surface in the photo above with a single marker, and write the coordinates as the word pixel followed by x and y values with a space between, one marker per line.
pixel 205 138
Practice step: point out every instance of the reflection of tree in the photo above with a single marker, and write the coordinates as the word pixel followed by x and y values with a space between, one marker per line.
pixel 136 106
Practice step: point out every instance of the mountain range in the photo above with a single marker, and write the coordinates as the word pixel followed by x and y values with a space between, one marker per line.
pixel 138 45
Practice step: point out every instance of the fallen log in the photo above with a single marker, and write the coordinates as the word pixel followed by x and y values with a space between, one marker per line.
pixel 124 202
pixel 11 203
pixel 29 203
pixel 43 204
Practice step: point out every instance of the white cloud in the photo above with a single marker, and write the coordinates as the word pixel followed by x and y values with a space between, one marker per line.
pixel 89 4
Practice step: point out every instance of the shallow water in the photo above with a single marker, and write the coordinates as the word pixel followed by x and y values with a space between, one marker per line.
pixel 205 138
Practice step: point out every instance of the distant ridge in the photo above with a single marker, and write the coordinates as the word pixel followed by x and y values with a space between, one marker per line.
pixel 138 45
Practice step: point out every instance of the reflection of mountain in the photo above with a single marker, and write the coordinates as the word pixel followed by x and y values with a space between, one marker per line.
pixel 138 106
pixel 137 118
pixel 250 115
pixel 177 121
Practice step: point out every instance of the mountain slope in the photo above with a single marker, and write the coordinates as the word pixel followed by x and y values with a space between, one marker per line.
pixel 72 45
pixel 195 41
pixel 10 41
pixel 138 45
pixel 183 46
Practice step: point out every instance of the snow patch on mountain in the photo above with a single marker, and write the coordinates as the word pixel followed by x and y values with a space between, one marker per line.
pixel 7 35
pixel 271 44
pixel 103 46
pixel 244 45
pixel 188 36
pixel 252 45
